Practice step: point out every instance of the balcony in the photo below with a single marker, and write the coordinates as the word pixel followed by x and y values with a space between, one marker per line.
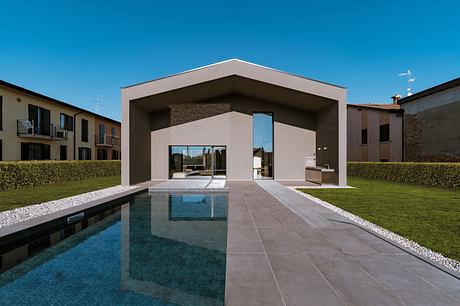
pixel 108 140
pixel 27 129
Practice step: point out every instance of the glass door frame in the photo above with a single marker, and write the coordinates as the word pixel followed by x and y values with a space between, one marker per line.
pixel 213 161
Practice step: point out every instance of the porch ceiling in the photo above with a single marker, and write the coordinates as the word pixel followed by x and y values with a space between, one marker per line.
pixel 235 84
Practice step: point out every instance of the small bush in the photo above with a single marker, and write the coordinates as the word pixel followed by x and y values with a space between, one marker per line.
pixel 17 174
pixel 431 174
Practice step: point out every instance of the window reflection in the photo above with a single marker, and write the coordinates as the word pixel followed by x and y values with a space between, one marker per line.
pixel 197 161
pixel 262 145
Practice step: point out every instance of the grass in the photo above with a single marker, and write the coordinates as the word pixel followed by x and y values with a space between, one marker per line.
pixel 33 195
pixel 427 215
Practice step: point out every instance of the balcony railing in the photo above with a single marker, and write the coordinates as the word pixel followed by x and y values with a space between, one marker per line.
pixel 27 128
pixel 108 140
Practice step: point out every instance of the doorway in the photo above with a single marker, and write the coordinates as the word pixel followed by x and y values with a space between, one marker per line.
pixel 197 162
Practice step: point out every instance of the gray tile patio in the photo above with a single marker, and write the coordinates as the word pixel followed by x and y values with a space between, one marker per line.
pixel 296 253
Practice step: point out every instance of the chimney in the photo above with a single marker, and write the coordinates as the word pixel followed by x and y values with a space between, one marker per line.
pixel 396 98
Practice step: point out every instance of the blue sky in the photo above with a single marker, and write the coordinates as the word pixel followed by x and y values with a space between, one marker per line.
pixel 72 51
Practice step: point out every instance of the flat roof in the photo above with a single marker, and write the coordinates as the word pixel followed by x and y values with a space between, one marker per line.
pixel 430 91
pixel 39 95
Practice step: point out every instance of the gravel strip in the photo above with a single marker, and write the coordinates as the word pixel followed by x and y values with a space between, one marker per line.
pixel 404 242
pixel 16 215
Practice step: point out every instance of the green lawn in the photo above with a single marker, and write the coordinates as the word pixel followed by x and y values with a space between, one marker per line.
pixel 427 215
pixel 33 195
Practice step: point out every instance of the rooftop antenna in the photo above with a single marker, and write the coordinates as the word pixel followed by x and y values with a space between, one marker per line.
pixel 97 100
pixel 410 81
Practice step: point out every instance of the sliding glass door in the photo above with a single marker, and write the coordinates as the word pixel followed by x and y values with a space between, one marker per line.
pixel 197 162
pixel 262 149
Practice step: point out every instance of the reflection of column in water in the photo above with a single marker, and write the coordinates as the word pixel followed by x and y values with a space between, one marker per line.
pixel 124 260
pixel 212 206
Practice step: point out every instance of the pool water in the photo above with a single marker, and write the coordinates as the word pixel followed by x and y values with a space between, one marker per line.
pixel 159 249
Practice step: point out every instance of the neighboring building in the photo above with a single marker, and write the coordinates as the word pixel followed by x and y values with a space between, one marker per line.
pixel 233 120
pixel 36 127
pixel 107 138
pixel 432 124
pixel 374 132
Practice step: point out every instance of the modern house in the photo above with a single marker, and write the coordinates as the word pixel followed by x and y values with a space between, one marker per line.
pixel 233 120
pixel 36 127
pixel 432 124
pixel 374 132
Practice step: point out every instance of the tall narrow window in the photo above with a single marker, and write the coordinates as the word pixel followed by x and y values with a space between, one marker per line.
pixel 384 132
pixel 364 136
pixel 101 133
pixel 84 130
pixel 1 150
pixel 262 145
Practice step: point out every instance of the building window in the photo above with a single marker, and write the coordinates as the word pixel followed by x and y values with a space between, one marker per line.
pixel 115 154
pixel 101 154
pixel 384 160
pixel 63 152
pixel 40 119
pixel 1 113
pixel 101 133
pixel 35 151
pixel 66 122
pixel 262 147
pixel 1 149
pixel 364 136
pixel 384 133
pixel 84 153
pixel 84 130
pixel 114 132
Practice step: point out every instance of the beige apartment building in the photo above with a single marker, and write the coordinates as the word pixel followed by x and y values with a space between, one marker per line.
pixel 374 132
pixel 36 127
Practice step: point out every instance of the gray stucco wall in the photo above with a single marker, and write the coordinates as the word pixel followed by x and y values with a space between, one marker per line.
pixel 139 149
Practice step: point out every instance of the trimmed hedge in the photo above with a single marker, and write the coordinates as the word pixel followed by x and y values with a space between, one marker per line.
pixel 431 174
pixel 17 174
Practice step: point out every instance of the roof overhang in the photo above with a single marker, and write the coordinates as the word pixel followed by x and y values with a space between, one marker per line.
pixel 234 77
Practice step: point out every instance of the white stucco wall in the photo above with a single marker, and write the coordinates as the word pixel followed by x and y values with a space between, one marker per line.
pixel 234 130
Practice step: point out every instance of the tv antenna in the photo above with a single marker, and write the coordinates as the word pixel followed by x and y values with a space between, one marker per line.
pixel 97 100
pixel 410 81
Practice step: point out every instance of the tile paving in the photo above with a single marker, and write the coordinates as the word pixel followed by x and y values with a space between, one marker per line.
pixel 296 253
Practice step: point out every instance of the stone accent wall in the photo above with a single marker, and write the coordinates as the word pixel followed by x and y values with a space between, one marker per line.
pixel 412 138
pixel 184 113
pixel 433 135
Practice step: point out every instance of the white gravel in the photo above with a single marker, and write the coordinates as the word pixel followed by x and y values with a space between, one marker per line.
pixel 404 242
pixel 16 215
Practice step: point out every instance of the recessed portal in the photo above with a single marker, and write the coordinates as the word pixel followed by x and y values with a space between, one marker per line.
pixel 262 158
pixel 197 162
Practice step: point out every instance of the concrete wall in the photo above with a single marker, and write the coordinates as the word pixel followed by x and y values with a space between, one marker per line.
pixel 14 110
pixel 139 148
pixel 292 145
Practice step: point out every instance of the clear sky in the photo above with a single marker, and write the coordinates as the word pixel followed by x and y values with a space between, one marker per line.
pixel 72 51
